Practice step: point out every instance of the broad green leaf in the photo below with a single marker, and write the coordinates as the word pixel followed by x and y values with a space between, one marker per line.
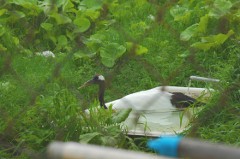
pixel 15 16
pixel 139 49
pixel 203 24
pixel 47 26
pixel 121 116
pixel 68 6
pixel 223 5
pixel 129 45
pixel 220 8
pixel 95 41
pixel 53 38
pixel 212 41
pixel 70 34
pixel 86 138
pixel 93 14
pixel 22 2
pixel 98 37
pixel 15 40
pixel 61 19
pixel 31 5
pixel 82 23
pixel 62 40
pixel 110 52
pixel 189 32
pixel 107 61
pixel 48 7
pixel 2 11
pixel 180 13
pixel 203 46
pixel 219 39
pixel 81 54
pixel 93 4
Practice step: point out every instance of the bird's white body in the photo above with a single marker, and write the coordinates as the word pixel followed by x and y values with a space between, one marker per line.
pixel 155 112
pixel 153 99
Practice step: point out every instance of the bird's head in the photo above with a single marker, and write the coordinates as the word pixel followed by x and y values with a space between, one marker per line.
pixel 97 79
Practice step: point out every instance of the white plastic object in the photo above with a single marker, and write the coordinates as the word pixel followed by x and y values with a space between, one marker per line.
pixel 197 78
pixel 73 150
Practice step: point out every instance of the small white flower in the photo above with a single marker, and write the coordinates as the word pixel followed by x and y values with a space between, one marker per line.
pixel 46 54
pixel 151 17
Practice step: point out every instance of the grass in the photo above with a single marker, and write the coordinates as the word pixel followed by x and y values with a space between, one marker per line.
pixel 40 101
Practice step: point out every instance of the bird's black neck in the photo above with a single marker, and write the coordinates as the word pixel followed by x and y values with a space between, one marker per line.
pixel 101 94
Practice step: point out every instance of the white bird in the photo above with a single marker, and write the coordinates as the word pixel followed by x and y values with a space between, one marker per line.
pixel 154 99
pixel 154 111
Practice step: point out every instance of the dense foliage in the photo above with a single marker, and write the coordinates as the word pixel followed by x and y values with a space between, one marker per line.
pixel 136 44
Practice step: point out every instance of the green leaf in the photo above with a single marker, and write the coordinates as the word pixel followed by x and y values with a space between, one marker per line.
pixel 93 4
pixel 121 116
pixel 15 40
pixel 48 7
pixel 68 6
pixel 212 41
pixel 22 2
pixel 203 24
pixel 189 32
pixel 220 8
pixel 47 26
pixel 93 14
pixel 62 40
pixel 110 53
pixel 2 11
pixel 97 38
pixel 139 49
pixel 95 41
pixel 223 5
pixel 61 19
pixel 15 16
pixel 86 138
pixel 203 46
pixel 81 54
pixel 53 38
pixel 82 23
pixel 180 13
pixel 31 5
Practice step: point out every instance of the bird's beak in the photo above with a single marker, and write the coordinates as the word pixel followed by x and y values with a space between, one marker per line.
pixel 86 84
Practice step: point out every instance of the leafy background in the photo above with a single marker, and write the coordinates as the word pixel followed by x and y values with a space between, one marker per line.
pixel 136 45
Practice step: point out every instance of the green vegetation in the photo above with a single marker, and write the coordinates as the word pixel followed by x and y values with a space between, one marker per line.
pixel 136 44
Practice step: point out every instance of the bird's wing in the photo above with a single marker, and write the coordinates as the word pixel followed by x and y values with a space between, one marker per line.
pixel 181 100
